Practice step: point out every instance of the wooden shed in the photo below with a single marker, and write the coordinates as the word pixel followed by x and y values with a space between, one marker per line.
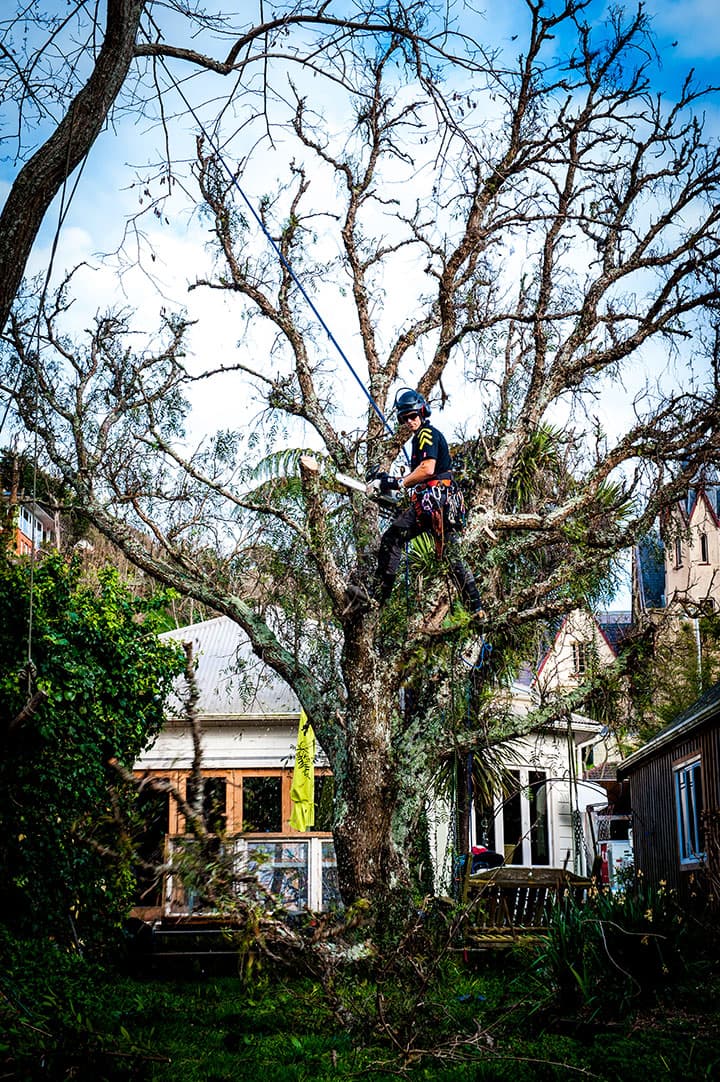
pixel 675 799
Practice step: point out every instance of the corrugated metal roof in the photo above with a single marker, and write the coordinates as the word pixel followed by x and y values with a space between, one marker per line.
pixel 231 680
pixel 707 706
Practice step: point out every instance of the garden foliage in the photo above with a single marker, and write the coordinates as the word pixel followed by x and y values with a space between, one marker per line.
pixel 87 657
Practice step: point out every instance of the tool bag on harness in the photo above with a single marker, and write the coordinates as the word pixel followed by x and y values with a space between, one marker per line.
pixel 440 503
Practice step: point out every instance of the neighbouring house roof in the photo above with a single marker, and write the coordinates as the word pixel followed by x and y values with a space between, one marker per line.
pixel 706 707
pixel 235 685
pixel 523 700
pixel 231 680
pixel 615 626
pixel 603 772
pixel 706 487
pixel 649 577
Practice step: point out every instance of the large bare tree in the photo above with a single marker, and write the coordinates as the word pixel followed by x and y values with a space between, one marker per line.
pixel 559 232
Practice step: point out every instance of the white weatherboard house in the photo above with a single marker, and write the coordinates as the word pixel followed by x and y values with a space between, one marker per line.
pixel 545 821
pixel 249 720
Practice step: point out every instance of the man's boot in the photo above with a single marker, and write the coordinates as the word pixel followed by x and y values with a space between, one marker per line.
pixel 357 599
pixel 465 581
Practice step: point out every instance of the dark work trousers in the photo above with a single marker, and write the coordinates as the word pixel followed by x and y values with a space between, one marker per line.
pixel 403 528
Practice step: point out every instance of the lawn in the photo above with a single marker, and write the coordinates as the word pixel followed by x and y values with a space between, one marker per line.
pixel 485 1019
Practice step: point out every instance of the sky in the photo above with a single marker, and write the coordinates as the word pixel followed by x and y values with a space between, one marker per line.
pixel 114 180
pixel 116 184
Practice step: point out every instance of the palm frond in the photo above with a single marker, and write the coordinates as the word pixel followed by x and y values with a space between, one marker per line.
pixel 540 456
pixel 489 768
pixel 279 464
pixel 611 497
pixel 421 555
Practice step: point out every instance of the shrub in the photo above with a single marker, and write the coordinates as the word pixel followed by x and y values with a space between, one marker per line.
pixel 616 949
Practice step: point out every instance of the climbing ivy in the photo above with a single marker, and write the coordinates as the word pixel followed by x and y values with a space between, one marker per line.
pixel 93 692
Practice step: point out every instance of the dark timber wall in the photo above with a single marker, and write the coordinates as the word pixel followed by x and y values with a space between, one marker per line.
pixel 652 798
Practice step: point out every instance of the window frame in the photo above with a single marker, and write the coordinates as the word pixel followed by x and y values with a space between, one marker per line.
pixel 233 777
pixel 582 655
pixel 688 792
pixel 521 852
pixel 678 552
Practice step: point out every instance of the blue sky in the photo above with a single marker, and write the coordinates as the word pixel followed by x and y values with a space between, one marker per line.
pixel 113 185
pixel 688 36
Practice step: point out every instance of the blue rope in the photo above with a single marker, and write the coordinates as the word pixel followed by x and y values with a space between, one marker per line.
pixel 485 652
pixel 277 251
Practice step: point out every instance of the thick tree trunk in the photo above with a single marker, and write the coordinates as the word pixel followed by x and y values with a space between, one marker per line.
pixel 370 857
pixel 42 176
pixel 379 797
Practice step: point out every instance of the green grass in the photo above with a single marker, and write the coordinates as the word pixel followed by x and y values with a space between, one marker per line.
pixel 479 1022
pixel 282 1032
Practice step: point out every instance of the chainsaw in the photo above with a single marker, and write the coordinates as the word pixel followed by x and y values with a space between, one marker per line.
pixel 389 501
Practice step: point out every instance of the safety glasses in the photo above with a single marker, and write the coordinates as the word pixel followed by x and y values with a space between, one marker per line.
pixel 408 417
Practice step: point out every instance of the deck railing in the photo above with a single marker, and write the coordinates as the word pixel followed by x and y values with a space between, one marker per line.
pixel 299 873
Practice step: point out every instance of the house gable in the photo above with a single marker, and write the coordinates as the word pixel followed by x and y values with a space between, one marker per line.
pixel 692 553
pixel 579 644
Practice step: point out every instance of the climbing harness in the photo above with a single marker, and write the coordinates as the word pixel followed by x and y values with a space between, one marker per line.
pixel 441 502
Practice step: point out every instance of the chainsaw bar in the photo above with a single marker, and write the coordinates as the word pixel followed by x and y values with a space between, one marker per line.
pixel 389 502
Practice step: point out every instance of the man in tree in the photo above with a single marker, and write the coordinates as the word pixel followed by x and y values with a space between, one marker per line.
pixel 436 506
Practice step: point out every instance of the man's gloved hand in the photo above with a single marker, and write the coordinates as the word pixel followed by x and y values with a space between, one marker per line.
pixel 382 483
pixel 388 484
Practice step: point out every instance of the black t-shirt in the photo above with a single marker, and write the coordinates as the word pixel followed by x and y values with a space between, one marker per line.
pixel 429 443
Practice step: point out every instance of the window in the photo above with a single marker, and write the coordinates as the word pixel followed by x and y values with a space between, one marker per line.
pixel 512 825
pixel 581 657
pixel 214 803
pixel 524 821
pixel 704 548
pixel 688 807
pixel 282 868
pixel 324 797
pixel 678 552
pixel 537 800
pixel 262 804
pixel 330 884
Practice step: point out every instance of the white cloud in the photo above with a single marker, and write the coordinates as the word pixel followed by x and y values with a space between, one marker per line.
pixel 694 25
